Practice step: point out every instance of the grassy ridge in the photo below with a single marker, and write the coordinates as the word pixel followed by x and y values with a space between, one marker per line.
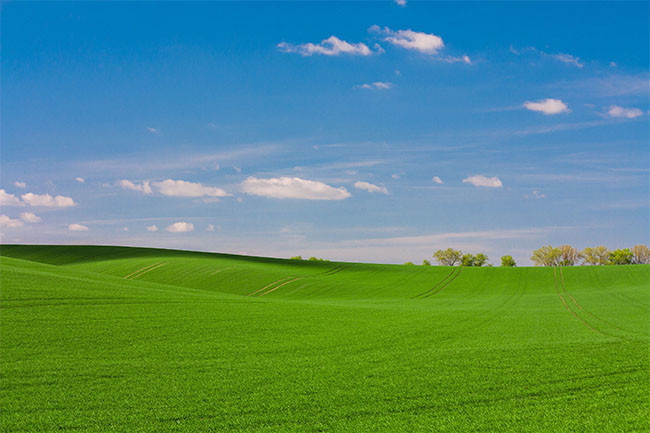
pixel 178 346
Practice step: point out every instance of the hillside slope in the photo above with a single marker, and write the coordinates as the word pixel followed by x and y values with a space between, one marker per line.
pixel 128 339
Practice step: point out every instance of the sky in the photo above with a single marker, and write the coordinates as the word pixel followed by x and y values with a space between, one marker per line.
pixel 368 132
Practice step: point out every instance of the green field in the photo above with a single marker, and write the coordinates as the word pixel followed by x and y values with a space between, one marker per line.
pixel 113 339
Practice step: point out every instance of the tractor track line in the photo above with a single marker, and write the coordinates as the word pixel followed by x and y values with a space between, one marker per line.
pixel 283 284
pixel 220 270
pixel 150 269
pixel 436 286
pixel 139 270
pixel 567 306
pixel 267 286
pixel 580 306
pixel 460 269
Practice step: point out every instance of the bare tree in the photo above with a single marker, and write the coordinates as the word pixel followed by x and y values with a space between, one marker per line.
pixel 596 256
pixel 569 256
pixel 641 254
pixel 448 257
pixel 546 256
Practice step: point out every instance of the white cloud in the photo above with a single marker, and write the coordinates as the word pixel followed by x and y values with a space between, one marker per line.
pixel 370 187
pixel 180 227
pixel 423 42
pixel 152 228
pixel 480 180
pixel 7 199
pixel 293 187
pixel 547 106
pixel 125 229
pixel 210 228
pixel 331 46
pixel 462 59
pixel 80 179
pixel 401 2
pixel 77 228
pixel 568 59
pixel 141 187
pixel 47 200
pixel 629 113
pixel 30 217
pixel 153 130
pixel 378 85
pixel 538 195
pixel 182 188
pixel 437 180
pixel 395 176
pixel 5 221
pixel 19 184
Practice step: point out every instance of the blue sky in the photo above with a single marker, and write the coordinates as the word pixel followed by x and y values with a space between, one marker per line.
pixel 366 131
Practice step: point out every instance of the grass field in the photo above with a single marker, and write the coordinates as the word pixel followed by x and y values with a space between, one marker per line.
pixel 112 339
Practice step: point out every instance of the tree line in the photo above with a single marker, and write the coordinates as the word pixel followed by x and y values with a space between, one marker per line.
pixel 565 255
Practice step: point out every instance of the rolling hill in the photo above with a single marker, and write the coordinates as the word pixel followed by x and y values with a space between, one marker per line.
pixel 114 339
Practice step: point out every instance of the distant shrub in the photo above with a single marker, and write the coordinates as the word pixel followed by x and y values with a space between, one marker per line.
pixel 425 262
pixel 596 256
pixel 508 262
pixel 296 258
pixel 621 256
pixel 409 264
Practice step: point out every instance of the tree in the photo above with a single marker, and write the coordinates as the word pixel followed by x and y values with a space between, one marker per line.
pixel 621 256
pixel 467 260
pixel 596 256
pixel 568 256
pixel 641 254
pixel 480 259
pixel 448 257
pixel 508 261
pixel 425 262
pixel 296 258
pixel 409 264
pixel 546 256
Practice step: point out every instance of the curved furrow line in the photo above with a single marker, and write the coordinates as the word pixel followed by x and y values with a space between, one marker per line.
pixel 436 286
pixel 567 305
pixel 460 269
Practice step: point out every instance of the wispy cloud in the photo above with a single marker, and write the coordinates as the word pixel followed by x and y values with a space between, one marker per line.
pixel 6 221
pixel 21 185
pixel 143 187
pixel 426 43
pixel 567 58
pixel 180 227
pixel 437 180
pixel 7 199
pixel 30 217
pixel 370 187
pixel 182 188
pixel 628 113
pixel 46 200
pixel 293 188
pixel 483 181
pixel 377 85
pixel 153 130
pixel 77 228
pixel 547 106
pixel 331 46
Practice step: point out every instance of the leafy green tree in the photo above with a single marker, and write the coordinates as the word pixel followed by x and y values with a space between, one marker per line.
pixel 621 256
pixel 296 258
pixel 425 262
pixel 568 256
pixel 480 259
pixel 409 264
pixel 448 257
pixel 467 260
pixel 508 261
pixel 596 256
pixel 546 256
pixel 641 254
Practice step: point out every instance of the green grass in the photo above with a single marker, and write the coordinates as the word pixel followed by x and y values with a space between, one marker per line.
pixel 180 346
